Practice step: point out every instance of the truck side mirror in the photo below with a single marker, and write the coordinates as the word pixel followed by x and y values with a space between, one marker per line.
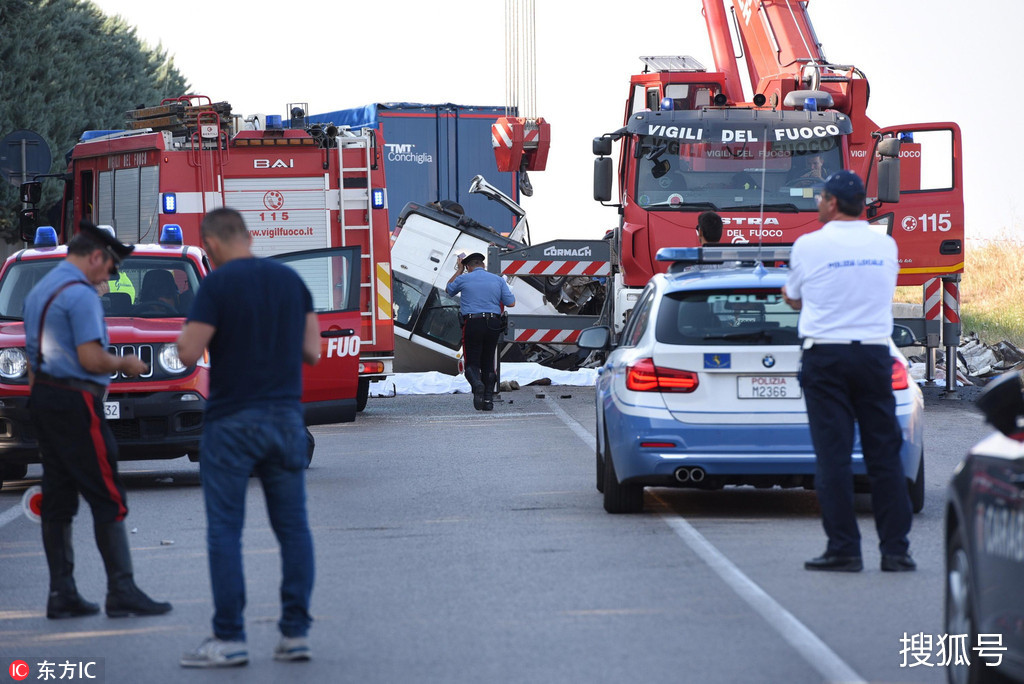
pixel 889 179
pixel 31 192
pixel 603 179
pixel 602 147
pixel 27 224
pixel 889 147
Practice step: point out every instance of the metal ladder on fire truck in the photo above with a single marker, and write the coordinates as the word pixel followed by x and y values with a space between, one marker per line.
pixel 358 198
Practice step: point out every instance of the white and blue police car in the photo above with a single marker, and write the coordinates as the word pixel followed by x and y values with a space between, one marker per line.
pixel 702 388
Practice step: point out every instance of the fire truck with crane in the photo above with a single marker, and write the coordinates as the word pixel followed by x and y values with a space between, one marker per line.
pixel 690 142
pixel 298 187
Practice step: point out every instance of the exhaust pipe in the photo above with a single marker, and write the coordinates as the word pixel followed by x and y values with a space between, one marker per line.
pixel 694 475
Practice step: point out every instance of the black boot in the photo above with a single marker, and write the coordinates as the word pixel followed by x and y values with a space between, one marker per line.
pixel 64 600
pixel 473 377
pixel 488 393
pixel 123 597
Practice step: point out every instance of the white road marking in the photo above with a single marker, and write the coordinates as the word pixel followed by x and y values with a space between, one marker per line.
pixel 805 642
pixel 11 514
pixel 572 424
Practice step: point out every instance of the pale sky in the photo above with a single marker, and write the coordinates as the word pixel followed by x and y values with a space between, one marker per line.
pixel 926 60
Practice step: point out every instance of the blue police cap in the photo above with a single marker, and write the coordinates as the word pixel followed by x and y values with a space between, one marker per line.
pixel 845 185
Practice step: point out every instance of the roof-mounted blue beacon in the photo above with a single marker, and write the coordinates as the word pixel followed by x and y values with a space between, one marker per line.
pixel 46 236
pixel 171 235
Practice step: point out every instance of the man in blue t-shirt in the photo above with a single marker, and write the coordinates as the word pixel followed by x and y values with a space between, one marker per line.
pixel 256 317
pixel 482 295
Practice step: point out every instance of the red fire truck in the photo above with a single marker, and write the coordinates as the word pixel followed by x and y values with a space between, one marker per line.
pixel 159 414
pixel 690 142
pixel 298 187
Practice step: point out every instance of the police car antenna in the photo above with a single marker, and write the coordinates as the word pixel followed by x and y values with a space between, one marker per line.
pixel 764 171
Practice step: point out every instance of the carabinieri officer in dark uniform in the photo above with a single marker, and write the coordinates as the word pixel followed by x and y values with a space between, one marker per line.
pixel 70 368
pixel 482 295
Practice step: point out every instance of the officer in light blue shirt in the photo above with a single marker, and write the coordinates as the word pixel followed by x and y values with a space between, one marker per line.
pixel 70 368
pixel 75 317
pixel 482 296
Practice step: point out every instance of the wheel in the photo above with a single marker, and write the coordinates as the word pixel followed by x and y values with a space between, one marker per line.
pixel 619 498
pixel 600 464
pixel 362 393
pixel 14 471
pixel 310 446
pixel 917 488
pixel 960 611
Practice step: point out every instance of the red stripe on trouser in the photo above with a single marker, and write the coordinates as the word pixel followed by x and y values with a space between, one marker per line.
pixel 100 447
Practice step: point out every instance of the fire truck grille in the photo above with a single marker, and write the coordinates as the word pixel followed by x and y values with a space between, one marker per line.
pixel 143 351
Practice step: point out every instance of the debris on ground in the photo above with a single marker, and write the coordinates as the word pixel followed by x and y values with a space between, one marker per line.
pixel 976 362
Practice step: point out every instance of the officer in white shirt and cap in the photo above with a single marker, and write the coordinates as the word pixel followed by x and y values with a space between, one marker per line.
pixel 842 279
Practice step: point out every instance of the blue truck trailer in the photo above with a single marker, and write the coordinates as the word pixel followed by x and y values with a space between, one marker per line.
pixel 432 152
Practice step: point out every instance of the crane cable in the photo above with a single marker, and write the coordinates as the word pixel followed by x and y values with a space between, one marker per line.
pixel 520 58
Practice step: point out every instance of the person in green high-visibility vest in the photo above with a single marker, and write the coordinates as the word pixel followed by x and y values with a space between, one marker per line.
pixel 123 284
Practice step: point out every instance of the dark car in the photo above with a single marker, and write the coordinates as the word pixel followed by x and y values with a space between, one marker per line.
pixel 985 545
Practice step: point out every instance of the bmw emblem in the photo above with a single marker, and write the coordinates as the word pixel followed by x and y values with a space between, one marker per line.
pixel 768 361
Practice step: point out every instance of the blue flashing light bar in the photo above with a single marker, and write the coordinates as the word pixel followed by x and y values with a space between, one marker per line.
pixel 666 104
pixel 171 235
pixel 717 255
pixel 46 236
pixel 810 104
pixel 377 198
pixel 170 202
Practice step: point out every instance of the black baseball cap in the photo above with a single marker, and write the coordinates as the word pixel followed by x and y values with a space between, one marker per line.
pixel 114 247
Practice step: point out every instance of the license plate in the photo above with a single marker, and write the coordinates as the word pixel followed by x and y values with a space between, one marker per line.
pixel 112 410
pixel 768 387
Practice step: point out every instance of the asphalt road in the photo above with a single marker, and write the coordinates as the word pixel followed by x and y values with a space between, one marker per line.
pixel 461 546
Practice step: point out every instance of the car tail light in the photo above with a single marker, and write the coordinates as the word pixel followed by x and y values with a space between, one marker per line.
pixel 900 379
pixel 644 376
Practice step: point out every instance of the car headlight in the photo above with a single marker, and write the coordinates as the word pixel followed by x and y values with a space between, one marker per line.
pixel 169 360
pixel 13 363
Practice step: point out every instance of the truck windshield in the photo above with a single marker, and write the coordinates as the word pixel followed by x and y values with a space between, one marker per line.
pixel 683 176
pixel 147 287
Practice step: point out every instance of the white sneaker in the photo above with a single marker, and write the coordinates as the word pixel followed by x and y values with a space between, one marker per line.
pixel 216 653
pixel 292 649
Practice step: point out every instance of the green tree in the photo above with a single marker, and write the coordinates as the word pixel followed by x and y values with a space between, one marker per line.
pixel 67 68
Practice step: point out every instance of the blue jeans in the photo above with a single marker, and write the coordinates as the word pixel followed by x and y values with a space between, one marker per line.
pixel 270 442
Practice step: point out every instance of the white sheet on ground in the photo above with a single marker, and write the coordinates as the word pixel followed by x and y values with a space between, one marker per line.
pixel 435 382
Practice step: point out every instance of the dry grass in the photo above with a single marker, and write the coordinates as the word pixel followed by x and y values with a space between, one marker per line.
pixel 991 291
